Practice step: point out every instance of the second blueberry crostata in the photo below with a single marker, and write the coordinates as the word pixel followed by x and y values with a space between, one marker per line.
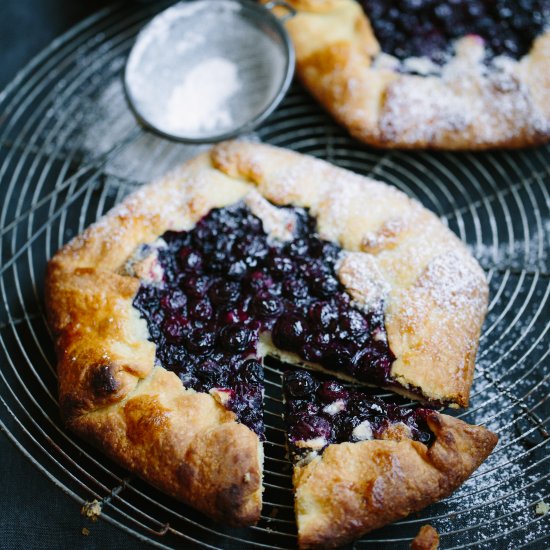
pixel 165 308
pixel 466 74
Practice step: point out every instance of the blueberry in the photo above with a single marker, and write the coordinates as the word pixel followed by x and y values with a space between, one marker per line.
pixel 443 11
pixel 235 315
pixel 196 286
pixel 325 250
pixel 299 384
pixel 372 361
pixel 188 379
pixel 201 310
pixel 331 391
pixel 211 375
pixel 295 288
pixel 363 408
pixel 289 332
pixel 297 248
pixel 224 292
pixel 259 280
pixel 237 338
pixel 266 306
pixel 427 28
pixel 173 356
pixel 322 315
pixel 324 286
pixel 237 270
pixel 174 327
pixel 146 298
pixel 312 428
pixel 355 324
pixel 281 266
pixel 173 300
pixel 199 340
pixel 252 371
pixel 311 353
pixel 337 358
pixel 298 409
pixel 316 245
pixel 311 270
pixel 189 259
pixel 321 339
pixel 176 239
pixel 252 247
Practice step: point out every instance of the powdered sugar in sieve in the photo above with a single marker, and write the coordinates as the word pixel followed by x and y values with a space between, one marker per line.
pixel 208 69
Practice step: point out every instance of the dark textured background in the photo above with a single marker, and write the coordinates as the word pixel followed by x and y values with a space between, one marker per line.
pixel 34 513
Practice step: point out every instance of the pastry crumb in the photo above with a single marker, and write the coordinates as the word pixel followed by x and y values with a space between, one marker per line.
pixel 91 510
pixel 85 531
pixel 542 508
pixel 426 539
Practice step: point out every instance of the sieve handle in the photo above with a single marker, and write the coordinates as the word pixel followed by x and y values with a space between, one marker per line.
pixel 291 11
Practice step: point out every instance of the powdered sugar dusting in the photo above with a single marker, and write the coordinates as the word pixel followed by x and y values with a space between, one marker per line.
pixel 363 280
pixel 278 223
pixel 519 254
pixel 450 283
pixel 484 105
pixel 198 104
pixel 498 499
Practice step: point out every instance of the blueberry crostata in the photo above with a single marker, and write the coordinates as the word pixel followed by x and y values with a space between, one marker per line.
pixel 461 74
pixel 164 309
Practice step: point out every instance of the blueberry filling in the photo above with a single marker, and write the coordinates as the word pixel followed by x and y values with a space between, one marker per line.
pixel 226 282
pixel 320 411
pixel 425 28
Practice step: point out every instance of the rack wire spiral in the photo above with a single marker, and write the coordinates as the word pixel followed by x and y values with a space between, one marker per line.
pixel 70 149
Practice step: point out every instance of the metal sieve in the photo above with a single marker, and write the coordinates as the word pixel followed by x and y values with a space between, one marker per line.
pixel 207 70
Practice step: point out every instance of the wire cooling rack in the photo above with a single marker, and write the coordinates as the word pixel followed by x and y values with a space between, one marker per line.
pixel 70 150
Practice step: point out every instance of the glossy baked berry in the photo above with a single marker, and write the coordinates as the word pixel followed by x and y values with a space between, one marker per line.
pixel 311 428
pixel 175 300
pixel 174 328
pixel 300 384
pixel 295 288
pixel 201 309
pixel 330 391
pixel 236 338
pixel 323 315
pixel 199 341
pixel 281 265
pixel 289 332
pixel 189 259
pixel 252 371
pixel 224 292
pixel 196 286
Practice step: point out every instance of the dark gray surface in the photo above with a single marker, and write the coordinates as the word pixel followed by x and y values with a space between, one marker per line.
pixel 34 513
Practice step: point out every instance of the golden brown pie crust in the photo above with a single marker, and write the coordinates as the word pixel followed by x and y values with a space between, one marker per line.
pixel 186 443
pixel 354 488
pixel 464 108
